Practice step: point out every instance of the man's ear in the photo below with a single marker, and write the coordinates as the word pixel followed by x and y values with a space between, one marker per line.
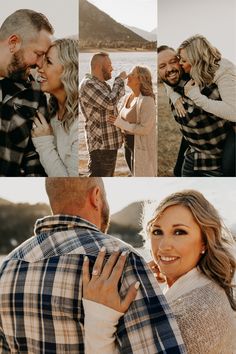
pixel 14 43
pixel 95 197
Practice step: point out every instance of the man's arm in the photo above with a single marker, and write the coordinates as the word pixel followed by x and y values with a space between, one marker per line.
pixel 93 95
pixel 149 322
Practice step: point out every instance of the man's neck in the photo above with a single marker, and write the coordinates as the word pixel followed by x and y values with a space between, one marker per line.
pixel 98 76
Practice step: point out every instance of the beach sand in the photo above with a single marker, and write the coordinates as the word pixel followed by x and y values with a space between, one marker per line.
pixel 169 136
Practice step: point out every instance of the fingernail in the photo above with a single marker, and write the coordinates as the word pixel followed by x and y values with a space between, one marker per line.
pixel 124 253
pixel 103 249
pixel 137 285
pixel 116 249
pixel 85 259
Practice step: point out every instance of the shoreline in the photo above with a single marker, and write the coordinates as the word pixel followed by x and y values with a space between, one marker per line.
pixel 95 50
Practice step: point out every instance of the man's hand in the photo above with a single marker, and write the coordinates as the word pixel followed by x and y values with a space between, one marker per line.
pixel 123 75
pixel 102 287
pixel 111 119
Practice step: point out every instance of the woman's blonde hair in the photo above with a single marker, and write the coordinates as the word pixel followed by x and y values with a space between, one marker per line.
pixel 217 263
pixel 203 57
pixel 145 78
pixel 68 55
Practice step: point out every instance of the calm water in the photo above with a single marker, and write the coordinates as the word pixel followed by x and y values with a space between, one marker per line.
pixel 121 61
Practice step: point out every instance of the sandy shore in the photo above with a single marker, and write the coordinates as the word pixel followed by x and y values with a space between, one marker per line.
pixel 95 50
pixel 169 136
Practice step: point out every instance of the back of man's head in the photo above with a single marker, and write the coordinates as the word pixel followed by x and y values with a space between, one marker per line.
pixel 98 58
pixel 25 23
pixel 68 195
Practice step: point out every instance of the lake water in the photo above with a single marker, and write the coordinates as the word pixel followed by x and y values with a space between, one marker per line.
pixel 121 61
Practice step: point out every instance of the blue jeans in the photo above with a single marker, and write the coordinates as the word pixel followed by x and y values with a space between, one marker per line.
pixel 102 163
pixel 188 169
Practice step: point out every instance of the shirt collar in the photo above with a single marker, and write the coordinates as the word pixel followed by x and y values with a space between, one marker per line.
pixel 62 222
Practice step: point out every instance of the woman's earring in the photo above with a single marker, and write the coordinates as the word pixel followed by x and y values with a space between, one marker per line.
pixel 203 251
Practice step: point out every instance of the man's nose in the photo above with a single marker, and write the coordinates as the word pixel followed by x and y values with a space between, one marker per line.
pixel 39 62
pixel 169 67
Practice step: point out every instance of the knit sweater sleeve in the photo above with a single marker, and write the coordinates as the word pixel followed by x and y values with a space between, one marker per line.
pixel 100 328
pixel 226 108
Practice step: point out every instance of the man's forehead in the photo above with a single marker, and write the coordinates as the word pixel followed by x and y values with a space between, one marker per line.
pixel 42 41
pixel 167 54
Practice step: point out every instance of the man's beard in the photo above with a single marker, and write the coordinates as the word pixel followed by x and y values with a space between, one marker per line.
pixel 106 74
pixel 17 69
pixel 105 216
pixel 172 84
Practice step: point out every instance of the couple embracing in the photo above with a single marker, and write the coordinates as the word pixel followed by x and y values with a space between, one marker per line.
pixel 73 288
pixel 39 133
pixel 106 128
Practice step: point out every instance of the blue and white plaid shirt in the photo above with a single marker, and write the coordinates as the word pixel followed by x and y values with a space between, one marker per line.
pixel 41 294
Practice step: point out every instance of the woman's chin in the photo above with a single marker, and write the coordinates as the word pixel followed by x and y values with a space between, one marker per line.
pixel 44 88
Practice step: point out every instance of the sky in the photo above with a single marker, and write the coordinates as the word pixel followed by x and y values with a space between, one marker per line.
pixel 137 13
pixel 215 19
pixel 123 191
pixel 63 15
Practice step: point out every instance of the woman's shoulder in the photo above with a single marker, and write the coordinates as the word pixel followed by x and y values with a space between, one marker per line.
pixel 226 67
pixel 206 319
pixel 208 301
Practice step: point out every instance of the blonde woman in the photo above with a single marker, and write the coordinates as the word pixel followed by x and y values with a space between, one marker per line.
pixel 137 119
pixel 57 142
pixel 205 65
pixel 191 251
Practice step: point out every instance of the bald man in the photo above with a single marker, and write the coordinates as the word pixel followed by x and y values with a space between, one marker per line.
pixel 98 101
pixel 41 308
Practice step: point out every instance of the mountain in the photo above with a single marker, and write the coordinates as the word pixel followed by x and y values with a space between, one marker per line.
pixel 17 222
pixel 99 30
pixel 126 224
pixel 149 36
pixel 4 202
pixel 129 216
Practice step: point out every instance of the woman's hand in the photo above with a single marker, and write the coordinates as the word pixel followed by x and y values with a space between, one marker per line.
pixel 156 272
pixel 179 107
pixel 111 119
pixel 102 287
pixel 41 127
pixel 188 87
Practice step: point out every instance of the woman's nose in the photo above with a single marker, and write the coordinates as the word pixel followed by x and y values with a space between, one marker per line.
pixel 165 243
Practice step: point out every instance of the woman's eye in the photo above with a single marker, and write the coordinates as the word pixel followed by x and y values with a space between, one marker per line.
pixel 157 232
pixel 180 232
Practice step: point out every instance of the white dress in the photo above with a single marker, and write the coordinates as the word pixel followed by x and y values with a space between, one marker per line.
pixel 58 153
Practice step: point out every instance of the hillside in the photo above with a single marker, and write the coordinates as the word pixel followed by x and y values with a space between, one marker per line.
pixel 99 30
pixel 126 224
pixel 17 222
pixel 149 36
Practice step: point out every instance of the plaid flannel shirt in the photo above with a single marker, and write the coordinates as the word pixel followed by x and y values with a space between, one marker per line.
pixel 18 105
pixel 41 294
pixel 204 132
pixel 98 101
